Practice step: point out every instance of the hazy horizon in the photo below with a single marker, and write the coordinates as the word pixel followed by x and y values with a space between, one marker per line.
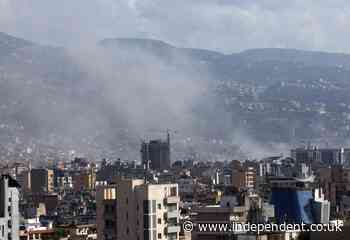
pixel 220 25
pixel 197 95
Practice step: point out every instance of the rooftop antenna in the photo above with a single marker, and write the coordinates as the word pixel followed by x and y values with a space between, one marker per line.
pixel 168 136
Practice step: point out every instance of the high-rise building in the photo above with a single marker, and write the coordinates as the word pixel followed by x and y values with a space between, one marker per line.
pixel 106 212
pixel 42 180
pixel 155 154
pixel 327 156
pixel 243 175
pixel 9 211
pixel 143 211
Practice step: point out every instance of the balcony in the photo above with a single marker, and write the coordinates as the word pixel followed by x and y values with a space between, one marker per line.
pixel 173 229
pixel 172 200
pixel 171 214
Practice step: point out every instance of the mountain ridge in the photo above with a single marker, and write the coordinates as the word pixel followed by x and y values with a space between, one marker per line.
pixel 264 95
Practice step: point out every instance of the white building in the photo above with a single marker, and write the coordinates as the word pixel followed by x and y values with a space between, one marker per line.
pixel 9 212
pixel 321 207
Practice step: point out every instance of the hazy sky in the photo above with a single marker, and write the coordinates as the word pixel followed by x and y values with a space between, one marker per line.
pixel 227 25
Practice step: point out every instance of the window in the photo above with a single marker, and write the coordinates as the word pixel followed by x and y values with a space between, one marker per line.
pixel 159 206
pixel 146 206
pixel 172 236
pixel 146 221
pixel 159 235
pixel 173 191
pixel 154 221
pixel 172 207
pixel 154 206
pixel 159 221
pixel 146 234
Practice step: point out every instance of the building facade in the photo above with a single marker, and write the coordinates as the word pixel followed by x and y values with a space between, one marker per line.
pixel 42 180
pixel 9 211
pixel 243 175
pixel 106 212
pixel 327 156
pixel 155 154
pixel 143 211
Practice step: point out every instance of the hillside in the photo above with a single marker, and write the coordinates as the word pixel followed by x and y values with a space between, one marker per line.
pixel 93 100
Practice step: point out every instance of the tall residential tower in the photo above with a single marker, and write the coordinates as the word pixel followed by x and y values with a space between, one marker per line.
pixel 155 154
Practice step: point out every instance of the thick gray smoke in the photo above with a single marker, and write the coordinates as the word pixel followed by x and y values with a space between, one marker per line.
pixel 142 89
pixel 102 100
pixel 121 95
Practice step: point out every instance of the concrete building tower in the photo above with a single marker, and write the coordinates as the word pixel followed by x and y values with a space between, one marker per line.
pixel 155 154
pixel 9 212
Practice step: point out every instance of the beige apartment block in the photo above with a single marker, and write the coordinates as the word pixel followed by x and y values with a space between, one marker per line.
pixel 144 211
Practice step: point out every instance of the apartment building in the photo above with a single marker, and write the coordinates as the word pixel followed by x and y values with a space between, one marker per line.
pixel 156 154
pixel 106 215
pixel 84 180
pixel 243 175
pixel 144 211
pixel 9 212
pixel 42 180
pixel 327 156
